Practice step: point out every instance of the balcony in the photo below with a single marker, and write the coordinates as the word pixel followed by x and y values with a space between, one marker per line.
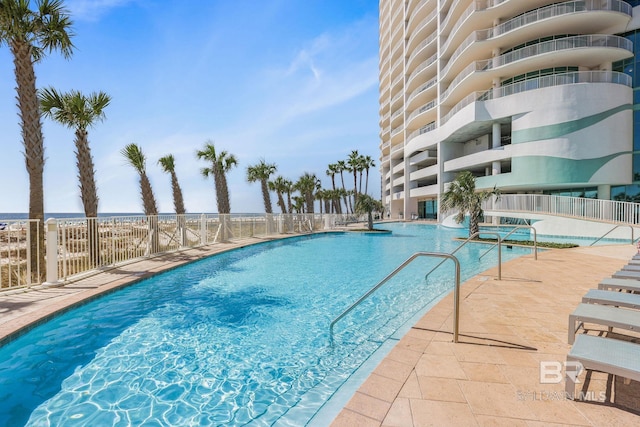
pixel 424 129
pixel 422 93
pixel 571 17
pixel 421 115
pixel 539 83
pixel 428 172
pixel 423 157
pixel 587 51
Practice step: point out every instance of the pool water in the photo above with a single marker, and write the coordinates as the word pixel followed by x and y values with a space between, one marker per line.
pixel 240 338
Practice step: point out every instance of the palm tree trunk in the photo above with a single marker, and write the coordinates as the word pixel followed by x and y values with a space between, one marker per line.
pixel 225 205
pixel 88 194
pixel 178 204
pixel 355 190
pixel 178 199
pixel 266 198
pixel 366 183
pixel 29 111
pixel 151 211
pixel 347 200
pixel 283 207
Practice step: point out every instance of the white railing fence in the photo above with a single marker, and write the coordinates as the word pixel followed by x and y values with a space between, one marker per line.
pixel 577 207
pixel 16 253
pixel 78 246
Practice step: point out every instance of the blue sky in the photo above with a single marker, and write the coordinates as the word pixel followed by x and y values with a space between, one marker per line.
pixel 292 81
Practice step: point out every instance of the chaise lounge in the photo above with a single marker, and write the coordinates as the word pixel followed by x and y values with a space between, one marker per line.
pixel 612 317
pixel 610 283
pixel 607 355
pixel 618 299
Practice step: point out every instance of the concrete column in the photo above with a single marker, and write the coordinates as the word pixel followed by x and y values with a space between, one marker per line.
pixel 496 169
pixel 407 190
pixel 203 229
pixel 51 228
pixel 604 192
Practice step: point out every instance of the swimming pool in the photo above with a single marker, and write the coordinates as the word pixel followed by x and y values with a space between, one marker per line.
pixel 238 338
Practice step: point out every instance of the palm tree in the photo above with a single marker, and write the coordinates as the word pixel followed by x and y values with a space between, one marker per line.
pixel 168 165
pixel 462 196
pixel 331 171
pixel 306 185
pixel 367 163
pixel 279 186
pixel 136 158
pixel 80 112
pixel 261 172
pixel 77 111
pixel 289 188
pixel 30 35
pixel 367 204
pixel 341 166
pixel 324 198
pixel 221 163
pixel 353 165
pixel 298 204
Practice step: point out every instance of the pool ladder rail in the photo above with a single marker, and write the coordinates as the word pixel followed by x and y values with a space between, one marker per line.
pixel 456 290
pixel 456 294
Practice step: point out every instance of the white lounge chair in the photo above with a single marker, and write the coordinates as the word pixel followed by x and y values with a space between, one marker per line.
pixel 615 357
pixel 626 274
pixel 612 317
pixel 618 299
pixel 631 267
pixel 619 284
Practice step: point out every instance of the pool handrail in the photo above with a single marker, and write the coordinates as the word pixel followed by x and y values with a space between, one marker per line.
pixel 535 239
pixel 614 228
pixel 456 294
pixel 473 236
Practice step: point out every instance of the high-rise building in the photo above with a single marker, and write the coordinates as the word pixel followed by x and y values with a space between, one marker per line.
pixel 531 96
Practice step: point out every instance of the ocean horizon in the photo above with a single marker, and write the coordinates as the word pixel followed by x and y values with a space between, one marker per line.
pixel 60 215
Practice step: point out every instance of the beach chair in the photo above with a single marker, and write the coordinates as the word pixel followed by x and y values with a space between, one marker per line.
pixel 612 356
pixel 631 267
pixel 626 274
pixel 612 317
pixel 618 299
pixel 631 285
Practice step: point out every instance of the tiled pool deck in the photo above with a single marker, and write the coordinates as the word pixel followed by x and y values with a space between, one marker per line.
pixel 489 378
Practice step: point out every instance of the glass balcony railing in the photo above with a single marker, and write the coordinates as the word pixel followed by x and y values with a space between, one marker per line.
pixel 546 12
pixel 421 89
pixel 574 42
pixel 426 107
pixel 539 83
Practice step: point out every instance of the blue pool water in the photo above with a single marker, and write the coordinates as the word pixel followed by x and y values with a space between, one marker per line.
pixel 240 338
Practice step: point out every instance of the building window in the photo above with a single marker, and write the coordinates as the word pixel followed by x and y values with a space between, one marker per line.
pixel 428 209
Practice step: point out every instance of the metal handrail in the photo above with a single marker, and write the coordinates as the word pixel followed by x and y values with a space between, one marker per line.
pixel 456 293
pixel 617 226
pixel 535 239
pixel 473 236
